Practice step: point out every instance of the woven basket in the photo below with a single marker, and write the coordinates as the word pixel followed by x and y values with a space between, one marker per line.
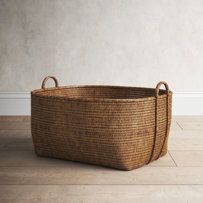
pixel 118 127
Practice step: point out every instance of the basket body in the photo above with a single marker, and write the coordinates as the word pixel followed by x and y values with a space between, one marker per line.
pixel 103 125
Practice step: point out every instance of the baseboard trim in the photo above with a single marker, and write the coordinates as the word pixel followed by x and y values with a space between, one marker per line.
pixel 188 103
pixel 15 103
pixel 18 103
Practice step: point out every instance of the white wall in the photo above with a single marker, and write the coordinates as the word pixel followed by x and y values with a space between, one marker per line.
pixel 120 42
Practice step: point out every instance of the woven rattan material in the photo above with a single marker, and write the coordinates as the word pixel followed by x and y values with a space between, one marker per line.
pixel 119 127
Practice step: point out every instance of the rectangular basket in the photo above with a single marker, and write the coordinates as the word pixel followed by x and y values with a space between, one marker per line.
pixel 118 127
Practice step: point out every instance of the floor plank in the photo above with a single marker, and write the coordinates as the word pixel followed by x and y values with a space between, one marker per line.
pixel 14 125
pixel 15 118
pixel 190 122
pixel 11 143
pixel 188 158
pixel 14 132
pixel 88 174
pixel 186 134
pixel 186 144
pixel 186 140
pixel 188 118
pixel 104 193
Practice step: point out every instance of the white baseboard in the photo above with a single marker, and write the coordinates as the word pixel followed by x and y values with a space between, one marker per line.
pixel 15 103
pixel 188 103
pixel 18 103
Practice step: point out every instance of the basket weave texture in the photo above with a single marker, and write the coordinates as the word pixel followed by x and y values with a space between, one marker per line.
pixel 119 127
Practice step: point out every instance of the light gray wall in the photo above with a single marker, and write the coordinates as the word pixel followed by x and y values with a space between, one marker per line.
pixel 129 42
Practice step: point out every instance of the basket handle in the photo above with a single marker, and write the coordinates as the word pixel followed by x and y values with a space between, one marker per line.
pixel 47 78
pixel 156 122
pixel 158 87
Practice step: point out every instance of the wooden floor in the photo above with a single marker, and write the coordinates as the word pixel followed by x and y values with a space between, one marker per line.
pixel 177 177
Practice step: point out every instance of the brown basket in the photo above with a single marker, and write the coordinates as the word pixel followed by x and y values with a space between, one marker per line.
pixel 119 127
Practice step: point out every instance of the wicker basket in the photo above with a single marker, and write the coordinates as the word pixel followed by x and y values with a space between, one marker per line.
pixel 118 127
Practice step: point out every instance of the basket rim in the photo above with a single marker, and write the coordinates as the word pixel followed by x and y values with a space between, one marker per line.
pixel 37 92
